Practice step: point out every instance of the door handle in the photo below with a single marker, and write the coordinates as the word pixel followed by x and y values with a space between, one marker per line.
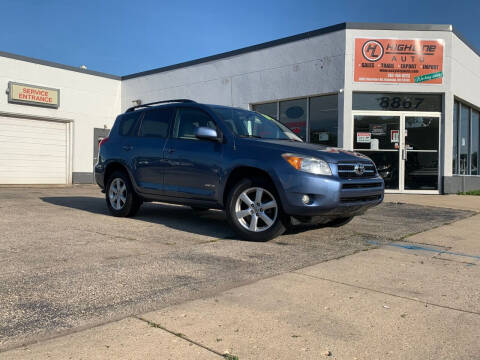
pixel 127 147
pixel 143 162
pixel 171 150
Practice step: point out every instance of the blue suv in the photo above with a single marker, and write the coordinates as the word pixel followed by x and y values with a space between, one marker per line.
pixel 248 164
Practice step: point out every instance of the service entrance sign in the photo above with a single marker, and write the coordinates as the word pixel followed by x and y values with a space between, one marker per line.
pixel 33 95
pixel 398 61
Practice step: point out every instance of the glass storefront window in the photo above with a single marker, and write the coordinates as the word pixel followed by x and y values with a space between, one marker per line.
pixel 464 139
pixel 293 114
pixel 320 113
pixel 455 138
pixel 269 109
pixel 376 132
pixel 323 122
pixel 397 102
pixel 475 144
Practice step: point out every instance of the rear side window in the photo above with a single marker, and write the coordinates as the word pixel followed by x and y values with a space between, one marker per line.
pixel 188 120
pixel 127 123
pixel 156 122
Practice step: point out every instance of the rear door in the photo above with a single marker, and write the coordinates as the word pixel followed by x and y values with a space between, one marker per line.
pixel 148 161
pixel 193 166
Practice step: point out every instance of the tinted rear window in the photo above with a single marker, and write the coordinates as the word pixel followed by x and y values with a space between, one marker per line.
pixel 156 122
pixel 127 123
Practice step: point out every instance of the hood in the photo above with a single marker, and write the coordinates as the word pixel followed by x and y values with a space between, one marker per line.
pixel 326 153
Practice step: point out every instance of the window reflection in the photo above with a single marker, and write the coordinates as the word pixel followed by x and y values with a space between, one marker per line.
pixel 321 117
pixel 475 144
pixel 323 121
pixel 455 138
pixel 293 114
pixel 269 109
pixel 464 138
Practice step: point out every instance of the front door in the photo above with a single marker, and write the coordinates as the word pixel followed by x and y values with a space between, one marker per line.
pixel 404 147
pixel 193 167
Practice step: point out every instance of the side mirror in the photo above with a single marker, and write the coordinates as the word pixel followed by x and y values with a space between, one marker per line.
pixel 206 133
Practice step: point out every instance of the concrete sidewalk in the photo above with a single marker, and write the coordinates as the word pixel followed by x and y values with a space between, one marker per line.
pixel 417 299
pixel 462 202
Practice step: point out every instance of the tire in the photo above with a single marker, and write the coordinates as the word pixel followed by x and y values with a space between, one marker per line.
pixel 267 222
pixel 339 222
pixel 121 206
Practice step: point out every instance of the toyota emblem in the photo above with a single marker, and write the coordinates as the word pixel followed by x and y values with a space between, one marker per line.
pixel 359 169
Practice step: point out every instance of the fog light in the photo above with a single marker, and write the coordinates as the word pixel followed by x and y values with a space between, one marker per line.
pixel 306 199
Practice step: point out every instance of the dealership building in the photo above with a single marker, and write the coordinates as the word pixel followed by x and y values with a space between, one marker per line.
pixel 408 96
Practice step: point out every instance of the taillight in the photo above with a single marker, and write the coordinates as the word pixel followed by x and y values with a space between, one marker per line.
pixel 103 141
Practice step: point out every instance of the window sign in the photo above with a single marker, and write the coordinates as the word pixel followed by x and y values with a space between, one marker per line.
pixel 364 137
pixel 394 136
pixel 378 129
pixel 399 61
pixel 397 102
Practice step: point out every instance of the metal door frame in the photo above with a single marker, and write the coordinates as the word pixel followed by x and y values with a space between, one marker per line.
pixel 401 162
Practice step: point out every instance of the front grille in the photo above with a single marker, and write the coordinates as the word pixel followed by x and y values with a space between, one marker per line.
pixel 361 185
pixel 347 170
pixel 360 199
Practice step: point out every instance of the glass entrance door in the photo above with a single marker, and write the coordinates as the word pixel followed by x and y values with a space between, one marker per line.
pixel 404 147
pixel 421 153
pixel 373 137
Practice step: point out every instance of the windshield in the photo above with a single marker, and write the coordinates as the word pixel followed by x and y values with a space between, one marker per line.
pixel 246 123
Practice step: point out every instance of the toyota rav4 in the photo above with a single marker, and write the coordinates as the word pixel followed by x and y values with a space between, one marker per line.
pixel 260 173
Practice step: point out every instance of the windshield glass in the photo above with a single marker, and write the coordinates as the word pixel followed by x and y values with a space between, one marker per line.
pixel 246 123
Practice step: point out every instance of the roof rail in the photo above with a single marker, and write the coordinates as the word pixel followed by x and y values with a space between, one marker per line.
pixel 159 102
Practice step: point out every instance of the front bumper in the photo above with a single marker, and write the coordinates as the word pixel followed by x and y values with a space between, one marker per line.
pixel 330 196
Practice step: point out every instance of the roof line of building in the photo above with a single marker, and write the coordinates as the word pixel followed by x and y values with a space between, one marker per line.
pixel 285 40
pixel 306 35
pixel 58 65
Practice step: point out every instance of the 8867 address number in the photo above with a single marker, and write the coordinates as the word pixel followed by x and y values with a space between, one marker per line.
pixel 396 102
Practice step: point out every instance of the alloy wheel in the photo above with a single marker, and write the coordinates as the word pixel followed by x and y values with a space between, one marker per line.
pixel 117 194
pixel 256 209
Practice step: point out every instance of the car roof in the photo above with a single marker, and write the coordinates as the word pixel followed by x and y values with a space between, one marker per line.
pixel 182 104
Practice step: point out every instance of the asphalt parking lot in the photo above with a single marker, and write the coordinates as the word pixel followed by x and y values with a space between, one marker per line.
pixel 68 265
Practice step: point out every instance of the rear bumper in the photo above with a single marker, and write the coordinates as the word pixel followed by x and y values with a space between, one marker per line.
pixel 330 196
pixel 99 176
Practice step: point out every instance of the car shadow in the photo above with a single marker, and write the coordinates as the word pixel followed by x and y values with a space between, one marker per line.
pixel 208 223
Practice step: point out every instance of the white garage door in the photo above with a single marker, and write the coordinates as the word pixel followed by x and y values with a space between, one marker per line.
pixel 33 151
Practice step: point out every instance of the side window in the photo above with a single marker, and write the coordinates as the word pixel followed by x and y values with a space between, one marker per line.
pixel 127 123
pixel 188 120
pixel 155 123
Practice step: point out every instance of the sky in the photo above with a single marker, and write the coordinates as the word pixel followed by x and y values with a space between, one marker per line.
pixel 123 37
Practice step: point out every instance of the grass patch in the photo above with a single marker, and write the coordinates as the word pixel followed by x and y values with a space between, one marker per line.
pixel 230 357
pixel 473 192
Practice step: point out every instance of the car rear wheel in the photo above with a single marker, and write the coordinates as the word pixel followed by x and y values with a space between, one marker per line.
pixel 254 211
pixel 122 201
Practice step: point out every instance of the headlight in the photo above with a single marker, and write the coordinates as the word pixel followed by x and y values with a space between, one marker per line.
pixel 308 164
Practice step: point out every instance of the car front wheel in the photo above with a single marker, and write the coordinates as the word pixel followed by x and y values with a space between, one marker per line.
pixel 254 211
